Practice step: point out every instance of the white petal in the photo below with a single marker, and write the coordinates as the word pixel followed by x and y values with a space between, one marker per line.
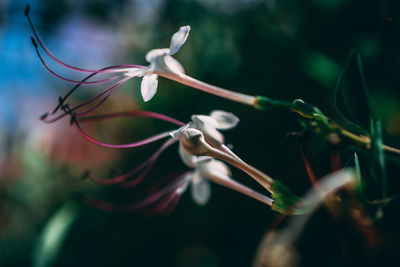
pixel 182 188
pixel 149 86
pixel 200 189
pixel 213 168
pixel 189 160
pixel 179 38
pixel 205 119
pixel 152 55
pixel 206 125
pixel 225 120
pixel 213 137
pixel 173 65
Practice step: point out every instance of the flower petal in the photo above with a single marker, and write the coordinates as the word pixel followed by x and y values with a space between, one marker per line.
pixel 205 120
pixel 173 65
pixel 213 167
pixel 152 55
pixel 207 126
pixel 200 189
pixel 225 120
pixel 184 185
pixel 178 39
pixel 149 86
pixel 189 160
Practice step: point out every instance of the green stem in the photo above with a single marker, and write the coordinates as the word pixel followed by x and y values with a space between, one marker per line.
pixel 308 111
pixel 264 103
pixel 362 140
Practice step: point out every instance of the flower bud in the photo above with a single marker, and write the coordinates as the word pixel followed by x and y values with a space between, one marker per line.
pixel 192 142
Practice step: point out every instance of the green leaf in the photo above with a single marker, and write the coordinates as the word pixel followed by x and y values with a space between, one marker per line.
pixel 358 170
pixel 362 183
pixel 352 95
pixel 54 233
pixel 378 165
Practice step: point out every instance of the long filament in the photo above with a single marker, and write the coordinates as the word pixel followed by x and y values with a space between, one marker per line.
pixel 121 178
pixel 47 51
pixel 177 183
pixel 66 79
pixel 130 145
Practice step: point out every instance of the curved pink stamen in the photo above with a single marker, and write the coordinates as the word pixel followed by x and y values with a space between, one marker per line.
pixel 166 205
pixel 109 90
pixel 66 79
pixel 148 163
pixel 86 78
pixel 47 51
pixel 139 113
pixel 140 178
pixel 171 188
pixel 130 145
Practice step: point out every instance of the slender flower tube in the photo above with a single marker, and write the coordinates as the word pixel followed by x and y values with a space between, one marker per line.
pixel 209 169
pixel 165 198
pixel 192 141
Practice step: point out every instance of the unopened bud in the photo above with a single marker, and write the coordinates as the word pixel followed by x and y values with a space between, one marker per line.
pixel 192 141
pixel 305 109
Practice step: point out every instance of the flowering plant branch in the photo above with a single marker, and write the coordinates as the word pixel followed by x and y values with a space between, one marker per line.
pixel 201 144
pixel 351 180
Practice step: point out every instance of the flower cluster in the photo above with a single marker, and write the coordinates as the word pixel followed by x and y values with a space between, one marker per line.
pixel 204 168
pixel 202 146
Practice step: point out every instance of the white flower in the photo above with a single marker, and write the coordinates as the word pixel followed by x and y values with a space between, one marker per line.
pixel 161 63
pixel 209 126
pixel 205 169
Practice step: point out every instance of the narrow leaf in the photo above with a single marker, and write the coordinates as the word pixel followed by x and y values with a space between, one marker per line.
pixel 352 95
pixel 378 165
pixel 357 167
pixel 361 179
pixel 51 240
